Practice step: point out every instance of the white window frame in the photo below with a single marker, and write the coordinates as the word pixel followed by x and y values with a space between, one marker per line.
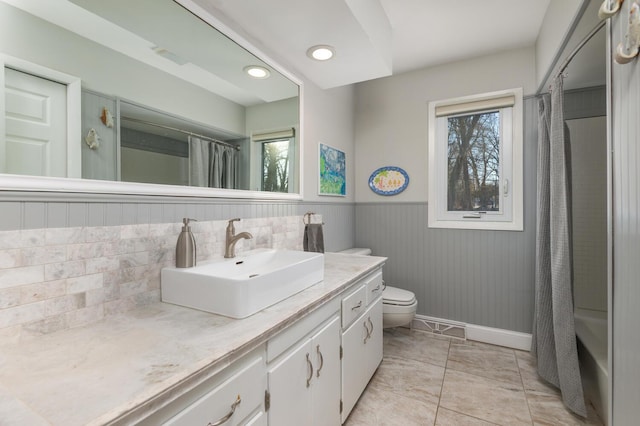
pixel 258 140
pixel 510 216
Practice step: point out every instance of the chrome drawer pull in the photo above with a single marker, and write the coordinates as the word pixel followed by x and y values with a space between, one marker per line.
pixel 370 322
pixel 321 361
pixel 228 416
pixel 310 370
pixel 375 289
pixel 358 306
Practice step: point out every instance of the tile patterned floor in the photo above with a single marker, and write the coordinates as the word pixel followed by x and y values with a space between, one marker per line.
pixel 425 379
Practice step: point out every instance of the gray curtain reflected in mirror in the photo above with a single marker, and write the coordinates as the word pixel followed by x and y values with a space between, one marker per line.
pixel 212 165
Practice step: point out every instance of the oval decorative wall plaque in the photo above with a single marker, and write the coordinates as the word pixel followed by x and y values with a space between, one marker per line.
pixel 388 180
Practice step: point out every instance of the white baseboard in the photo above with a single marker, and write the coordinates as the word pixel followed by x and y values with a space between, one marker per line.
pixel 499 336
pixel 494 336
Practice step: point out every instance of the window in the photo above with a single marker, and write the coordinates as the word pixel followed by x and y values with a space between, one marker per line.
pixel 277 154
pixel 475 162
pixel 275 165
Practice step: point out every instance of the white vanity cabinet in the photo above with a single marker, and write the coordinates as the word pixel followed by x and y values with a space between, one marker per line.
pixel 309 373
pixel 304 381
pixel 234 396
pixel 361 339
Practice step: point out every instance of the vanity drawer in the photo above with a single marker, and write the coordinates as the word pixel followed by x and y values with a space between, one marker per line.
pixel 353 305
pixel 374 286
pixel 248 384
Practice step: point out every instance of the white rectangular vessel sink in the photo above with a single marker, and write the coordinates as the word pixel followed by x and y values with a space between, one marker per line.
pixel 243 285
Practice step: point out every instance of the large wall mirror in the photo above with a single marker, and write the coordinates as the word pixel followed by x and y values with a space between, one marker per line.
pixel 140 97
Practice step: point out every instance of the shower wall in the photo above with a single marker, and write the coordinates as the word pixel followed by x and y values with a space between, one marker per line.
pixel 585 115
pixel 587 126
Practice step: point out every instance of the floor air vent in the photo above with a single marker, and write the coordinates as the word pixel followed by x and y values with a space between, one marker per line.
pixel 439 326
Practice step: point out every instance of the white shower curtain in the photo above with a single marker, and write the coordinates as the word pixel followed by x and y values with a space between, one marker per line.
pixel 211 164
pixel 554 339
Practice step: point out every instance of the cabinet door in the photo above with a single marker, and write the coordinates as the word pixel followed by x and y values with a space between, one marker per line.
pixel 325 385
pixel 354 364
pixel 374 343
pixel 362 353
pixel 290 393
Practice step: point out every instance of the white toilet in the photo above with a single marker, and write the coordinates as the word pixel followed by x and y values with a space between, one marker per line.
pixel 398 306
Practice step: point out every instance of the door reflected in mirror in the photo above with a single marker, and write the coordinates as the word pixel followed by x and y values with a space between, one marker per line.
pixel 148 105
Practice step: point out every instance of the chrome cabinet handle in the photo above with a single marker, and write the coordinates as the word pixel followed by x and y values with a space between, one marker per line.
pixel 228 416
pixel 357 306
pixel 321 360
pixel 375 289
pixel 310 370
pixel 368 332
pixel 370 322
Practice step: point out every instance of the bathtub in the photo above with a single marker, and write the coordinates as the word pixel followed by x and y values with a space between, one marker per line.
pixel 591 329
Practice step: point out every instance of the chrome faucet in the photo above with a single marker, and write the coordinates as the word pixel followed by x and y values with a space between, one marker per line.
pixel 231 239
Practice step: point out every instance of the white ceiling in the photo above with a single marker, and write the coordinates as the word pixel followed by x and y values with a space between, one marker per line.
pixel 372 38
pixel 377 38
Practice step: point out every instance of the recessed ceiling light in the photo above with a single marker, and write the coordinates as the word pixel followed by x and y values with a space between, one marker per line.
pixel 256 71
pixel 321 52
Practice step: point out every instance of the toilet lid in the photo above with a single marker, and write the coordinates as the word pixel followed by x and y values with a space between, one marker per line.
pixel 397 296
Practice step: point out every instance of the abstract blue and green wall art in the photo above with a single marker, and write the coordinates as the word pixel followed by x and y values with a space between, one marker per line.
pixel 333 177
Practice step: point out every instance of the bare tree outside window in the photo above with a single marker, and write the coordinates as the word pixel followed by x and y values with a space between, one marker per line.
pixel 474 162
pixel 275 166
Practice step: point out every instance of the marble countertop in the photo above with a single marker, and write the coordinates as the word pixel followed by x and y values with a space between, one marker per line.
pixel 101 373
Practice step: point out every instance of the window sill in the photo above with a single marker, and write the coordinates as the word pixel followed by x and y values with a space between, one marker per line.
pixel 476 224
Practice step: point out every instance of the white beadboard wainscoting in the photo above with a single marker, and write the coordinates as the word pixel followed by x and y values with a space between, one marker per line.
pixel 470 276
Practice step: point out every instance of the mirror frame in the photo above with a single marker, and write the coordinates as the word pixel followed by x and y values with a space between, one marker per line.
pixel 43 187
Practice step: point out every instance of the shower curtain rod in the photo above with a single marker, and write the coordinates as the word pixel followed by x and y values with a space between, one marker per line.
pixel 186 132
pixel 584 41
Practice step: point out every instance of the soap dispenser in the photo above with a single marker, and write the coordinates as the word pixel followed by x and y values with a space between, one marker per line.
pixel 186 246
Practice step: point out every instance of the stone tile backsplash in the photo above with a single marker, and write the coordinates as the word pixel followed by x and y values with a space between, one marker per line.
pixel 58 278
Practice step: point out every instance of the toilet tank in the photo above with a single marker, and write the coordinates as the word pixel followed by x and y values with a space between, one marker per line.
pixel 361 251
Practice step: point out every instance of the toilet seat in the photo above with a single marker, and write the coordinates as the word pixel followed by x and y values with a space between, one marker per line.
pixel 397 297
pixel 398 307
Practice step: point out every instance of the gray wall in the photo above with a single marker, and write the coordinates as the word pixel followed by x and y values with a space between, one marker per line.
pixel 585 111
pixel 585 103
pixel 339 218
pixel 391 116
pixel 626 231
pixel 98 163
pixel 480 277
pixel 589 185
